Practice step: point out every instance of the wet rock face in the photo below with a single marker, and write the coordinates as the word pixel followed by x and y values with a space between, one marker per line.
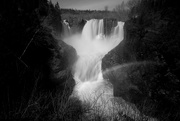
pixel 81 24
pixel 133 82
pixel 148 84
pixel 62 63
pixel 121 53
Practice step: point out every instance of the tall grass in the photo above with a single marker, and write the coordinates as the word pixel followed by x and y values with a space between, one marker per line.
pixel 59 106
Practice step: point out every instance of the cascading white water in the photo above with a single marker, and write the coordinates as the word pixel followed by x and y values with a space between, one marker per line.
pixel 91 46
pixel 66 28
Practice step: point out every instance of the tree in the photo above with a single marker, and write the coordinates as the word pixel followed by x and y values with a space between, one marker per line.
pixel 57 6
pixel 132 3
pixel 106 8
pixel 54 17
pixel 122 11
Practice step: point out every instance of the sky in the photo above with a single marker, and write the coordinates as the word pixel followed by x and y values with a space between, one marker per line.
pixel 88 4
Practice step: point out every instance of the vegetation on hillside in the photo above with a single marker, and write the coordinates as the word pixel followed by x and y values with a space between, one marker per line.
pixel 29 55
pixel 151 36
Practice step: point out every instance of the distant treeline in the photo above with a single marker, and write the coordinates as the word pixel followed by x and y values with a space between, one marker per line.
pixel 78 15
pixel 76 11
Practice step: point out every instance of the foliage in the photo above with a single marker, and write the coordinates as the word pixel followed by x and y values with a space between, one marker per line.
pixel 54 17
pixel 122 11
pixel 152 34
pixel 24 51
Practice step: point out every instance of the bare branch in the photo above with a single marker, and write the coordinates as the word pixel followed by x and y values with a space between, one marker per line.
pixel 29 42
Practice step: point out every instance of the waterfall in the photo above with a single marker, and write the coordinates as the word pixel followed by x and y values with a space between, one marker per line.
pixel 66 28
pixel 91 46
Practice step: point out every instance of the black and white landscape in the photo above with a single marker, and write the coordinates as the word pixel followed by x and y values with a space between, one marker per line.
pixel 103 60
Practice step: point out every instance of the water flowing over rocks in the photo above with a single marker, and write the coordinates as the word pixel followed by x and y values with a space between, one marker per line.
pixel 91 86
